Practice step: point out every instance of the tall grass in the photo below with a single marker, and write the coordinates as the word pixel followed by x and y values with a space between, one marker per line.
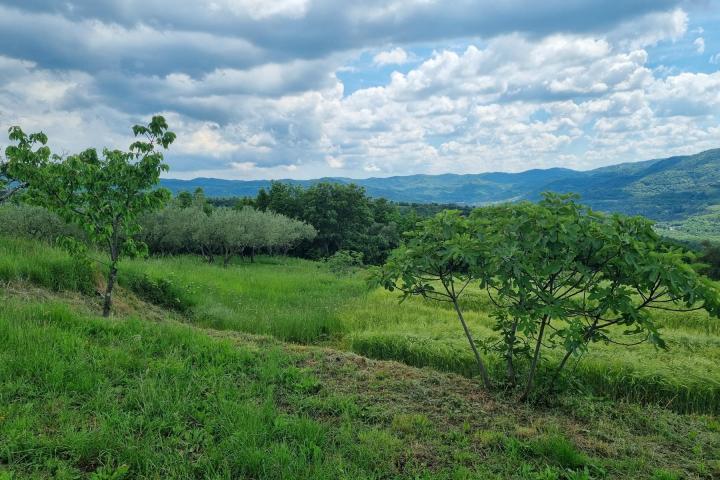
pixel 82 396
pixel 43 265
pixel 426 334
pixel 301 301
pixel 291 299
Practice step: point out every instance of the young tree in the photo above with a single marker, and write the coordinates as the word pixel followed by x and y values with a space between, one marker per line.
pixel 104 195
pixel 560 276
pixel 564 276
pixel 438 261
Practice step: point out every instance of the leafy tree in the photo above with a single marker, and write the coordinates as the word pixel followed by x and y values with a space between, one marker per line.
pixel 439 260
pixel 560 276
pixel 22 220
pixel 23 161
pixel 344 217
pixel 343 262
pixel 710 257
pixel 186 226
pixel 104 195
pixel 564 276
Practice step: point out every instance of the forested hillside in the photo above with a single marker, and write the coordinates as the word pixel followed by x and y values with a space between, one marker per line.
pixel 663 189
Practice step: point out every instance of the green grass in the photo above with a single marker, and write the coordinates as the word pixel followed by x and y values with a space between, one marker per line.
pixel 144 396
pixel 291 299
pixel 81 395
pixel 42 265
pixel 86 397
pixel 420 333
pixel 301 301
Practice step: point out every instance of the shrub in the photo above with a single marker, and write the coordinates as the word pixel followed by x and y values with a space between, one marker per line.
pixel 343 262
pixel 26 221
pixel 164 292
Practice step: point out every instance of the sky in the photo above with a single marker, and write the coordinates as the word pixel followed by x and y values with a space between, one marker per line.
pixel 259 89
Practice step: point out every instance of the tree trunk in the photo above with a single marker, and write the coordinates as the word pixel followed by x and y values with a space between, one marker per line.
pixel 560 367
pixel 478 359
pixel 511 376
pixel 107 304
pixel 534 364
pixel 566 357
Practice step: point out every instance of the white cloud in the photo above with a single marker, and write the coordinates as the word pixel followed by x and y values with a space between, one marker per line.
pixel 699 44
pixel 651 28
pixel 245 107
pixel 260 9
pixel 334 162
pixel 243 166
pixel 396 56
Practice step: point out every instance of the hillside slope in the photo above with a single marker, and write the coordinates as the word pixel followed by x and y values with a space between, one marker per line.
pixel 662 189
pixel 151 393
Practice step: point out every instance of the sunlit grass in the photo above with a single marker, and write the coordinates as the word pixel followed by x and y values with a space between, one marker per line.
pixel 291 299
pixel 301 301
pixel 42 265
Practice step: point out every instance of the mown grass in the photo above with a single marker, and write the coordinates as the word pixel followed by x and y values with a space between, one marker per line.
pixel 301 301
pixel 87 397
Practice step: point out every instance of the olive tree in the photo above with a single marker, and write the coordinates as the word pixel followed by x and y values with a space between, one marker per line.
pixel 103 194
pixel 438 261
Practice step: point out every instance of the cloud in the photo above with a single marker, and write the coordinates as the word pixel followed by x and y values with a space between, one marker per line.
pixel 651 28
pixel 699 44
pixel 261 89
pixel 334 162
pixel 396 56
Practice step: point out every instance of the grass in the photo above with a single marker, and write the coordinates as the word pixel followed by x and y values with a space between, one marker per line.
pixel 291 299
pixel 303 302
pixel 179 392
pixel 83 395
pixel 39 264
pixel 86 397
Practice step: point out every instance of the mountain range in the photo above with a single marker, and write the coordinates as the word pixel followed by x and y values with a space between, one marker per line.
pixel 662 189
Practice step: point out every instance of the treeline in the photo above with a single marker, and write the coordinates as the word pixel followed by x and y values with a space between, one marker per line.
pixel 315 222
pixel 344 216
pixel 190 224
pixel 182 227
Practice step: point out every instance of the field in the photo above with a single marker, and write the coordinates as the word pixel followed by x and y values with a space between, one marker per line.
pixel 695 228
pixel 283 369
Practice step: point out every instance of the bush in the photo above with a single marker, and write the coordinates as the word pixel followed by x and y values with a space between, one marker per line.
pixel 26 221
pixel 163 292
pixel 343 262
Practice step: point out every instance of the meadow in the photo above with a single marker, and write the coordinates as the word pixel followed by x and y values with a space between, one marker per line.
pixel 308 304
pixel 281 368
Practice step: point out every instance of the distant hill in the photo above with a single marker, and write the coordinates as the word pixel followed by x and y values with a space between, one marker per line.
pixel 662 189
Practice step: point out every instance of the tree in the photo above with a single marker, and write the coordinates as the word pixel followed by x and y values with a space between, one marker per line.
pixel 559 275
pixel 710 258
pixel 439 260
pixel 104 195
pixel 563 276
pixel 23 161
